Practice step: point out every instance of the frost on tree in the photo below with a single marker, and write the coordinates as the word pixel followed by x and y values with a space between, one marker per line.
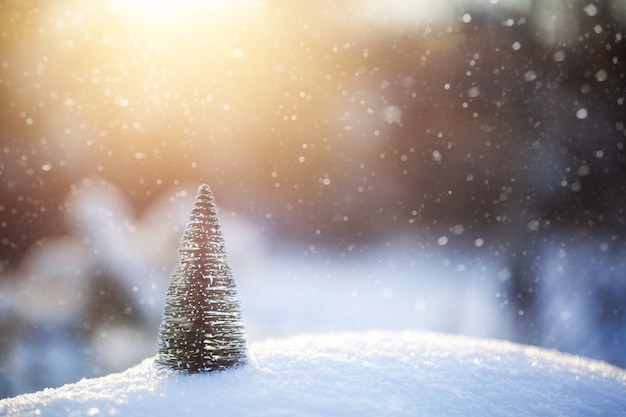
pixel 202 329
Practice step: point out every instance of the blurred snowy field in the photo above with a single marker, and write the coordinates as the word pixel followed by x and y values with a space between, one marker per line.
pixel 90 303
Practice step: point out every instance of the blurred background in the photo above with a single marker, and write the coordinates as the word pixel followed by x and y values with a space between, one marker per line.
pixel 457 166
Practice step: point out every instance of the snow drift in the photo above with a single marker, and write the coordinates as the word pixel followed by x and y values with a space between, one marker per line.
pixel 372 373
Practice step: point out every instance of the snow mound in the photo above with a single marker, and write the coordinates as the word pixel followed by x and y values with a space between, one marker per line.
pixel 373 373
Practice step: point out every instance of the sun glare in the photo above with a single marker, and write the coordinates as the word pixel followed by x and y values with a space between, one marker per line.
pixel 168 9
pixel 159 9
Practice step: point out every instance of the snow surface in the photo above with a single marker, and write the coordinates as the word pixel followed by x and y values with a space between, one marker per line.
pixel 371 373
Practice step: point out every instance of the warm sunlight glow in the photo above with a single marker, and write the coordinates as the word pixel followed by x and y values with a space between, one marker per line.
pixel 207 82
pixel 161 9
pixel 166 10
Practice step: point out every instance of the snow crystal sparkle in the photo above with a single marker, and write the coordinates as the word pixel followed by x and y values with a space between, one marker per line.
pixel 202 329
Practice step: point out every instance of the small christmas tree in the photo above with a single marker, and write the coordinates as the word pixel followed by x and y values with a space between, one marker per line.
pixel 202 329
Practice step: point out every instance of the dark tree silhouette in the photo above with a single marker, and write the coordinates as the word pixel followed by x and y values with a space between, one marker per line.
pixel 202 329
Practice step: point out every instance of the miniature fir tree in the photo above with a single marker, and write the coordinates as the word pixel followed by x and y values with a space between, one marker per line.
pixel 202 329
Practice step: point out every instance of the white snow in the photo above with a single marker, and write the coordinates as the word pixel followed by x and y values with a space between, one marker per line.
pixel 371 373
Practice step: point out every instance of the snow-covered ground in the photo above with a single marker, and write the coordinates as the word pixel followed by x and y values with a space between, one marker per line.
pixel 373 373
